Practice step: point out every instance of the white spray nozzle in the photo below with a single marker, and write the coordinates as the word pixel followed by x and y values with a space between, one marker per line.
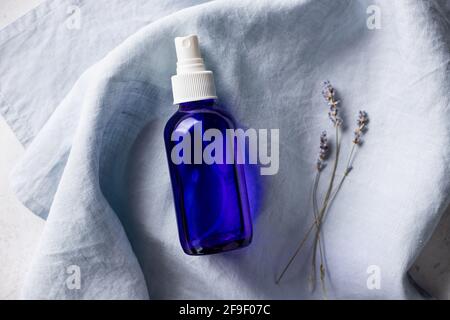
pixel 192 81
pixel 188 55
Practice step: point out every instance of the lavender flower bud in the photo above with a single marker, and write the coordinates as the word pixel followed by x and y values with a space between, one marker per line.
pixel 362 122
pixel 323 151
pixel 328 93
pixel 362 119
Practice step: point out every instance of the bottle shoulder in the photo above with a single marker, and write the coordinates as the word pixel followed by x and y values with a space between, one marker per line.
pixel 210 116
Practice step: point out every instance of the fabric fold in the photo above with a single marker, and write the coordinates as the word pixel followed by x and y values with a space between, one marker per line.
pixel 95 168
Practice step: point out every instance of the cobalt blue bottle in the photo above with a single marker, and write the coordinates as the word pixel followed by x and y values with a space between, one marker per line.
pixel 211 200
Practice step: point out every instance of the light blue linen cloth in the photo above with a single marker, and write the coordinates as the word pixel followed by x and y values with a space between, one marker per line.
pixel 90 105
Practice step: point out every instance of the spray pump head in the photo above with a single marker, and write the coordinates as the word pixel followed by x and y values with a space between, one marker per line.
pixel 192 81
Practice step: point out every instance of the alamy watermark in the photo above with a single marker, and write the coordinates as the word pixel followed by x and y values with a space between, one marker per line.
pixel 374 279
pixel 73 21
pixel 373 21
pixel 228 149
pixel 73 281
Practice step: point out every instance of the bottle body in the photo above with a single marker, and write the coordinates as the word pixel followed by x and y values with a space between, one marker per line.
pixel 211 200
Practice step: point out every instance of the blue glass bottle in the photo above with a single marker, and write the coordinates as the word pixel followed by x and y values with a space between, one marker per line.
pixel 211 201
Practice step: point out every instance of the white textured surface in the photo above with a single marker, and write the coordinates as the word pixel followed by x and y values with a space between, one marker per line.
pixel 10 10
pixel 19 228
pixel 432 268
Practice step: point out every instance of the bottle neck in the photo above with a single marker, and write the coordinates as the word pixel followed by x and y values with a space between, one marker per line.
pixel 200 104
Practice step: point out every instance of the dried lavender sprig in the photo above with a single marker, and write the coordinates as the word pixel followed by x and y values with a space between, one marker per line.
pixel 329 94
pixel 362 121
pixel 328 91
pixel 321 213
pixel 323 151
pixel 323 155
pixel 296 252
